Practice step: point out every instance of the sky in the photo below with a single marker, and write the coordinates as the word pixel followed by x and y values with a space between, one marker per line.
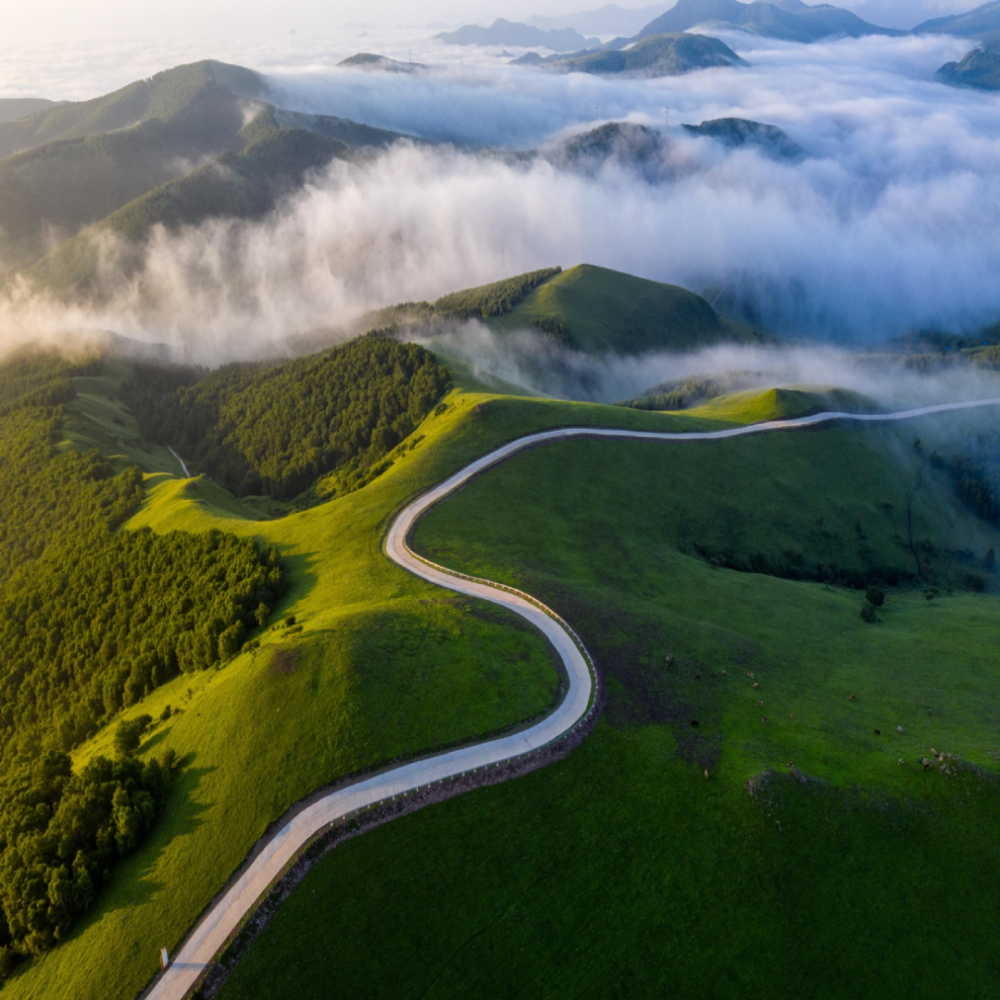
pixel 188 19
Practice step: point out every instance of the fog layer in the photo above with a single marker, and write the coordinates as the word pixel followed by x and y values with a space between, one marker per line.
pixel 890 223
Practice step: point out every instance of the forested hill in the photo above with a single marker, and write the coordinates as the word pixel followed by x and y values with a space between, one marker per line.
pixel 276 429
pixel 91 620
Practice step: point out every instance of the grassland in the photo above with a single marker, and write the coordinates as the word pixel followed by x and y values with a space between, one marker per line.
pixel 622 871
pixel 377 667
pixel 753 406
pixel 604 310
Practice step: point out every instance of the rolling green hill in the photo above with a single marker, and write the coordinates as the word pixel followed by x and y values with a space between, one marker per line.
pixel 598 310
pixel 697 832
pixel 653 55
pixel 367 665
pixel 751 406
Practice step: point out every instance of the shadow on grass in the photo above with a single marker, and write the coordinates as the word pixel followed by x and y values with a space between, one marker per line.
pixel 301 579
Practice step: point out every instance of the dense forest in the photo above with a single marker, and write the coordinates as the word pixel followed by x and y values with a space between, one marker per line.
pixel 276 428
pixel 92 618
pixel 60 834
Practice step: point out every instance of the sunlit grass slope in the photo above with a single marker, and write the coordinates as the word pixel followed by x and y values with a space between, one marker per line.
pixel 378 666
pixel 752 406
pixel 622 871
pixel 606 310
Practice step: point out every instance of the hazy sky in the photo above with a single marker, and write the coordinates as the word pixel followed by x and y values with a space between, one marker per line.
pixel 188 17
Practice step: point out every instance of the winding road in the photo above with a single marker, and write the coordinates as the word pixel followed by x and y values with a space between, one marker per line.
pixel 226 915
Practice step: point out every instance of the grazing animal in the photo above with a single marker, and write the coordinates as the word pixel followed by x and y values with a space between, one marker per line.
pixel 763 718
pixel 756 685
pixel 713 673
pixel 670 660
pixel 899 729
pixel 900 760
pixel 760 704
pixel 926 763
pixel 706 772
pixel 723 673
pixel 750 674
pixel 878 732
pixel 852 697
pixel 933 751
pixel 697 677
pixel 694 722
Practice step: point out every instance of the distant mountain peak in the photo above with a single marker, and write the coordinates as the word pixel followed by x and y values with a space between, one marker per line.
pixel 790 20
pixel 504 32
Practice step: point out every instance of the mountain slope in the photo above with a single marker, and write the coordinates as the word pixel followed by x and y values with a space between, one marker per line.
pixel 790 20
pixel 101 154
pixel 980 69
pixel 973 23
pixel 164 96
pixel 654 55
pixel 190 115
pixel 737 132
pixel 234 185
pixel 13 108
pixel 607 20
pixel 503 32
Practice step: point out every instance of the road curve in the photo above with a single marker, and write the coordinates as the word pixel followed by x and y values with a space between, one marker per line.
pixel 209 936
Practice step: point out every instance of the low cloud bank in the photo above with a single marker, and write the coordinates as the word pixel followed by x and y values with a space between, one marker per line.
pixel 526 359
pixel 891 222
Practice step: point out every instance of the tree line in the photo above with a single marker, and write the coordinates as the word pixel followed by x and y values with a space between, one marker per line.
pixel 276 428
pixel 92 618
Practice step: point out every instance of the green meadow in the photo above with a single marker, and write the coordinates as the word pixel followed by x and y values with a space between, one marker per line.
pixel 698 843
pixel 378 667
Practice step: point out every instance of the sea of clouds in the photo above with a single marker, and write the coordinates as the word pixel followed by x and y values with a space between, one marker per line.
pixel 890 223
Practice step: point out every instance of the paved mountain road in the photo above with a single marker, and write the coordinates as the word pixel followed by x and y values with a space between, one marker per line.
pixel 225 916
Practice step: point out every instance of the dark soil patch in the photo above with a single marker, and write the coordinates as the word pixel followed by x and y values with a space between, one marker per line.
pixel 284 661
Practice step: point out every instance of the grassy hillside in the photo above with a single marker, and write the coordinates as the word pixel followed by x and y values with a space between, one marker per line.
pixel 654 55
pixel 808 860
pixel 598 310
pixel 752 406
pixel 378 666
pixel 319 699
pixel 92 620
